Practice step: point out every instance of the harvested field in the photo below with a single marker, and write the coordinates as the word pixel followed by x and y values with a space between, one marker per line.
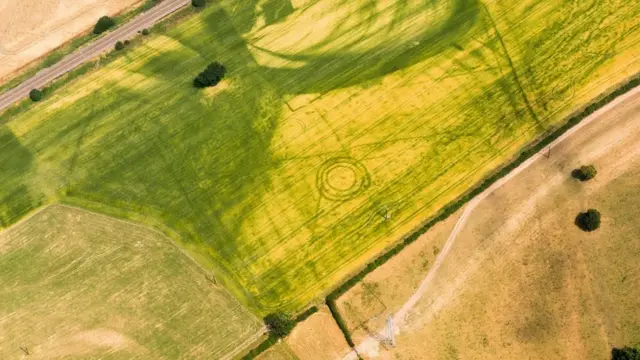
pixel 322 148
pixel 318 338
pixel 521 280
pixel 77 285
pixel 31 29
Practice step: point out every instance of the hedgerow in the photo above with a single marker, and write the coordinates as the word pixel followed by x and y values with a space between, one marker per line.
pixel 272 340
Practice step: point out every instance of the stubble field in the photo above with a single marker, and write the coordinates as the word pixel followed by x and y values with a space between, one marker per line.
pixel 77 285
pixel 321 147
pixel 31 29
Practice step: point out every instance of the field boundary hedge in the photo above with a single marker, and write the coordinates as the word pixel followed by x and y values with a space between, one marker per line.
pixel 453 206
pixel 270 341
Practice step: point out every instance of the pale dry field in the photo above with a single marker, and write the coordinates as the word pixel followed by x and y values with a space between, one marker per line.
pixel 318 338
pixel 521 280
pixel 31 29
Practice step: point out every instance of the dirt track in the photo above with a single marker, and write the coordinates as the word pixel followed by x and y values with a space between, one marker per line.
pixel 88 52
pixel 400 316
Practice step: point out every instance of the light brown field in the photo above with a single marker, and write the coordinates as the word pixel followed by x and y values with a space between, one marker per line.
pixel 31 29
pixel 522 281
pixel 318 338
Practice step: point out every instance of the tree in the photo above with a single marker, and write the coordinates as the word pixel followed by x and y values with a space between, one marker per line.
pixel 588 221
pixel 119 45
pixel 211 76
pixel 198 3
pixel 103 24
pixel 626 353
pixel 584 173
pixel 279 324
pixel 145 32
pixel 35 95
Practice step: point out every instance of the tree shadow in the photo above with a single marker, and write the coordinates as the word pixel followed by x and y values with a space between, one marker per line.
pixel 16 161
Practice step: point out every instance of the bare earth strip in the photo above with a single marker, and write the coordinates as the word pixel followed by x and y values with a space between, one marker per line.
pixel 90 51
pixel 605 144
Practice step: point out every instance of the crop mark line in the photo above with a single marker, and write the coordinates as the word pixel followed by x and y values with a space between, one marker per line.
pixel 323 117
pixel 513 68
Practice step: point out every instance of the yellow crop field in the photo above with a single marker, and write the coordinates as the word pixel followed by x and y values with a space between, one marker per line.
pixel 339 127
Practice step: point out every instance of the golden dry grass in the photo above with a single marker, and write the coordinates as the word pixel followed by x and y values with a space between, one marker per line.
pixel 318 338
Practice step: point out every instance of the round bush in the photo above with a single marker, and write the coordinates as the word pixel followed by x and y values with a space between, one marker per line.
pixel 211 76
pixel 198 3
pixel 145 32
pixel 119 45
pixel 103 24
pixel 127 42
pixel 585 173
pixel 626 353
pixel 588 221
pixel 36 95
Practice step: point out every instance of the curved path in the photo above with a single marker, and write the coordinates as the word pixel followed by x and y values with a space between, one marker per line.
pixel 88 52
pixel 400 315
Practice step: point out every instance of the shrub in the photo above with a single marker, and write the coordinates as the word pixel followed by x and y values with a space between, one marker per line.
pixel 198 3
pixel 588 221
pixel 626 353
pixel 279 324
pixel 145 32
pixel 35 95
pixel 127 42
pixel 584 173
pixel 103 24
pixel 211 76
pixel 119 45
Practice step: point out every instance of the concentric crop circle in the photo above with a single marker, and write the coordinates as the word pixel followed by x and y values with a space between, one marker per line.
pixel 342 178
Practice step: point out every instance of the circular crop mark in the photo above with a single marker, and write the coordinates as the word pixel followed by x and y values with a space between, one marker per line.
pixel 341 179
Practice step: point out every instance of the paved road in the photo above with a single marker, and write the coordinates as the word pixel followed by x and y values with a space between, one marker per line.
pixel 90 51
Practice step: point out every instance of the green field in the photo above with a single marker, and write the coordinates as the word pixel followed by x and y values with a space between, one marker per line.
pixel 77 285
pixel 340 127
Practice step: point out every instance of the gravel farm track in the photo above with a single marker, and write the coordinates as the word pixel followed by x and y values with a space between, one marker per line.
pixel 86 53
